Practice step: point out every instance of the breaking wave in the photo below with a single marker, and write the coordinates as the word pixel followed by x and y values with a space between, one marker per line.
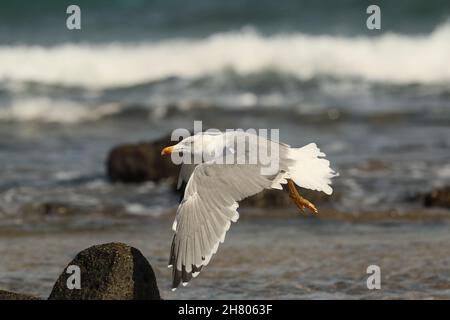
pixel 394 58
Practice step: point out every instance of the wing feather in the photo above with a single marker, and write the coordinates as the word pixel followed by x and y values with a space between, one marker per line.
pixel 210 202
pixel 206 212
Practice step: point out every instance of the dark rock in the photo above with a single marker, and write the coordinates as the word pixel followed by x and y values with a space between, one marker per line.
pixel 7 295
pixel 49 209
pixel 280 198
pixel 372 165
pixel 141 162
pixel 268 199
pixel 438 198
pixel 112 271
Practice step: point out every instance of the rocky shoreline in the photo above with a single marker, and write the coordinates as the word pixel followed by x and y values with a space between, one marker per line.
pixel 141 162
pixel 111 271
pixel 295 257
pixel 7 295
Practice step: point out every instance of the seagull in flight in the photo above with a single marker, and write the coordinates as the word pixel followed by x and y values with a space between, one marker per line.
pixel 227 171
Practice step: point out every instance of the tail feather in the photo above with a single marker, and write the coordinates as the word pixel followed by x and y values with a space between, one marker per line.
pixel 310 170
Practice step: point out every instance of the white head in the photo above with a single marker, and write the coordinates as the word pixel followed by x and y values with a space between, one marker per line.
pixel 201 144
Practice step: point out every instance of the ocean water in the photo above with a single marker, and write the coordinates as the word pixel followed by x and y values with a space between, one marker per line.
pixel 293 258
pixel 376 102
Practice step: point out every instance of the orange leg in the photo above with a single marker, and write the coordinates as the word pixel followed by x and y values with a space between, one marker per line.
pixel 300 202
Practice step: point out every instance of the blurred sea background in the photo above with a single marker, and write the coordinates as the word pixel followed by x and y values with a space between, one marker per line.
pixel 377 102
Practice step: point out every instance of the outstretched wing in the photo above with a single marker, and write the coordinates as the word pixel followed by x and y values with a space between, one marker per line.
pixel 206 212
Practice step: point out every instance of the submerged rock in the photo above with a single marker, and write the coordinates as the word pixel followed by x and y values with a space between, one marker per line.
pixel 280 198
pixel 141 162
pixel 112 271
pixel 438 198
pixel 7 295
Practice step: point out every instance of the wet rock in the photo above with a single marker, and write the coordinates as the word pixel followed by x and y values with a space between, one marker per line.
pixel 268 199
pixel 49 209
pixel 373 165
pixel 7 295
pixel 143 162
pixel 280 198
pixel 112 271
pixel 438 198
pixel 133 163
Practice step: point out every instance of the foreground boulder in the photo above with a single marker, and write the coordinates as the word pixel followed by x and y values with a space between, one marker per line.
pixel 141 162
pixel 438 198
pixel 7 295
pixel 112 271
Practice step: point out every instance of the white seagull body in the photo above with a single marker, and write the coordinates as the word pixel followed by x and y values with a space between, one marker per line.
pixel 213 190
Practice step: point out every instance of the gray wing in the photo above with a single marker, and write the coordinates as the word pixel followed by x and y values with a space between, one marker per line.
pixel 206 212
pixel 187 169
pixel 185 173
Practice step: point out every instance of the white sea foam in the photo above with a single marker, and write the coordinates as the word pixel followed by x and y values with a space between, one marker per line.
pixel 43 109
pixel 390 57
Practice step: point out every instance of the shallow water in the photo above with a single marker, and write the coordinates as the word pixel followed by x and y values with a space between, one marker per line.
pixel 277 258
pixel 376 102
pixel 383 165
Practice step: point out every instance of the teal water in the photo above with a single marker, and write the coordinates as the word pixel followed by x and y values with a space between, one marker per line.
pixel 43 21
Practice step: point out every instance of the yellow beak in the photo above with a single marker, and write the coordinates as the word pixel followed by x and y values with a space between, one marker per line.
pixel 166 151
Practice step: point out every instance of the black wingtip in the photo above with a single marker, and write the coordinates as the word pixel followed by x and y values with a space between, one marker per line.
pixel 182 276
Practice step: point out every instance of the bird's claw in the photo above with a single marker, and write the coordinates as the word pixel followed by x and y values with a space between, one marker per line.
pixel 303 203
pixel 299 201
